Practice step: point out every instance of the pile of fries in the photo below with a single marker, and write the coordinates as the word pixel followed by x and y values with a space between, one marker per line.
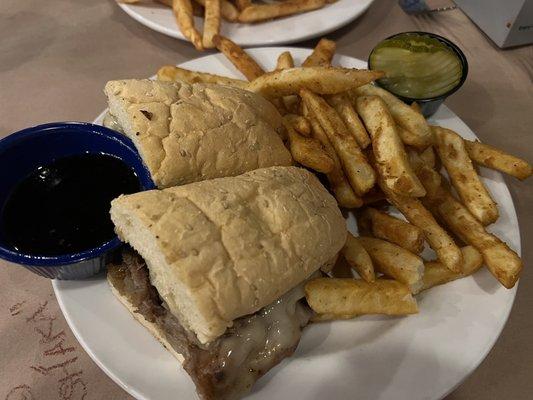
pixel 243 11
pixel 374 148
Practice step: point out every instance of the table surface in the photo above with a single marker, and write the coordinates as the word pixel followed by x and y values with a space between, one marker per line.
pixel 55 57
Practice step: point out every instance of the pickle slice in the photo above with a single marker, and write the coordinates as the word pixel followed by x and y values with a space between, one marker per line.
pixel 416 66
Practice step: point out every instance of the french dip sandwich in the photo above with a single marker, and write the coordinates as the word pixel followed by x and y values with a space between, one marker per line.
pixel 215 269
pixel 188 133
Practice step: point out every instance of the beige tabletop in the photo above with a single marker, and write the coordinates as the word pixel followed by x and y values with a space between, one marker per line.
pixel 55 57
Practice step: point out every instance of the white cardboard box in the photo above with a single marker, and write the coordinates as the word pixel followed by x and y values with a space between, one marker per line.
pixel 506 22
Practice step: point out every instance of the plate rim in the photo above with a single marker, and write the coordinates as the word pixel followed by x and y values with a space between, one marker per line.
pixel 471 368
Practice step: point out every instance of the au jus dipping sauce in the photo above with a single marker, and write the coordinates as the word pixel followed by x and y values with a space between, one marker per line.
pixel 63 207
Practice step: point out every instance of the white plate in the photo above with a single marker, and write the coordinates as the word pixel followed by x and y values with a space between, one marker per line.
pixel 279 31
pixel 424 356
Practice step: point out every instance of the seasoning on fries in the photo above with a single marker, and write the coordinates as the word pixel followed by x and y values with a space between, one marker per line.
pixel 238 57
pixel 394 230
pixel 465 180
pixel 322 54
pixel 358 258
pixel 320 80
pixel 391 159
pixel 184 16
pixel 334 298
pixel 358 171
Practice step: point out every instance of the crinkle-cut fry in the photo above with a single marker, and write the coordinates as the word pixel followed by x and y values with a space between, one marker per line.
pixel 394 261
pixel 341 103
pixel 392 229
pixel 320 80
pixel 211 22
pixel 308 151
pixel 475 196
pixel 409 138
pixel 238 57
pixel 404 115
pixel 424 158
pixel 494 158
pixel 428 156
pixel 340 186
pixel 341 298
pixel 355 165
pixel 501 261
pixel 437 274
pixel 392 163
pixel 358 258
pixel 438 239
pixel 228 11
pixel 184 17
pixel 322 54
pixel 263 12
pixel 284 61
pixel 171 74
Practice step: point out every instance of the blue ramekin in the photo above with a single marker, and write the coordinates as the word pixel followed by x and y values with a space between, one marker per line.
pixel 23 151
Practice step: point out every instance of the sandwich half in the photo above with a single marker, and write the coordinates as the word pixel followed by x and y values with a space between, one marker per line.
pixel 215 269
pixel 188 133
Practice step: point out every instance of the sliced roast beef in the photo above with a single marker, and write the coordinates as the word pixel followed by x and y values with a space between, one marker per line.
pixel 227 367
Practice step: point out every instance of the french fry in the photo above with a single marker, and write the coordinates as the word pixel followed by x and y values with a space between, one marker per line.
pixel 358 171
pixel 423 159
pixel 345 298
pixel 300 123
pixel 322 54
pixel 320 80
pixel 184 17
pixel 465 180
pixel 171 74
pixel 428 157
pixel 340 186
pixel 263 12
pixel 491 157
pixel 394 261
pixel 416 107
pixel 242 4
pixel 404 115
pixel 394 230
pixel 408 137
pixel 285 61
pixel 438 239
pixel 501 261
pixel 344 107
pixel 308 151
pixel 437 274
pixel 358 258
pixel 238 57
pixel 228 11
pixel 211 22
pixel 391 159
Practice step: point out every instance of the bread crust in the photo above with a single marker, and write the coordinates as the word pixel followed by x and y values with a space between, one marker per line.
pixel 188 133
pixel 224 248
